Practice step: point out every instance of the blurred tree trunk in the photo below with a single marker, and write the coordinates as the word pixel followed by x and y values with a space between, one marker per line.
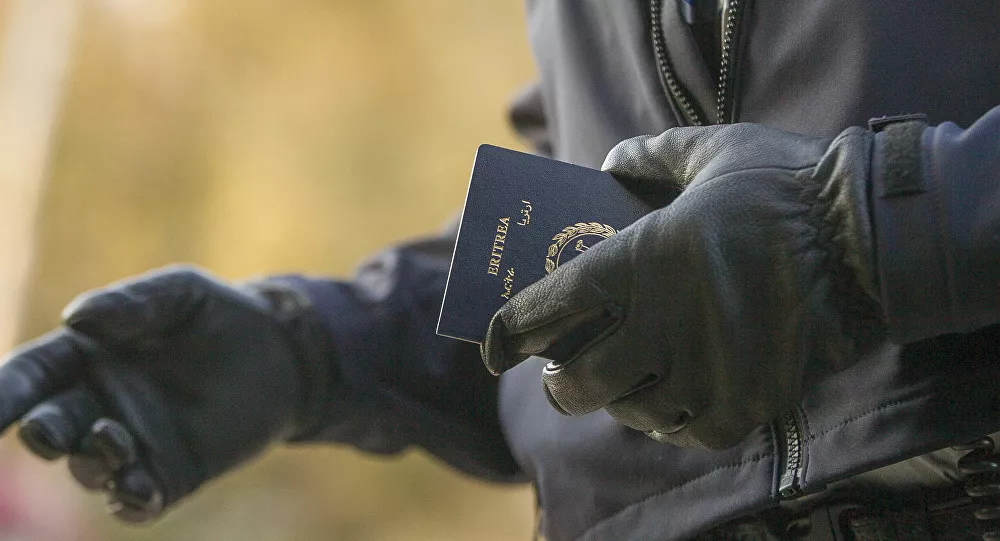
pixel 37 47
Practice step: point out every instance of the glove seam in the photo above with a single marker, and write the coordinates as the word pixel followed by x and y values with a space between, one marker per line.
pixel 854 305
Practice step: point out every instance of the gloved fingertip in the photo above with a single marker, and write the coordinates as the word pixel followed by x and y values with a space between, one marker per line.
pixel 125 511
pixel 35 371
pixel 111 440
pixel 132 515
pixel 624 157
pixel 493 347
pixel 552 400
pixel 89 470
pixel 139 497
pixel 108 314
pixel 85 306
pixel 662 159
pixel 42 440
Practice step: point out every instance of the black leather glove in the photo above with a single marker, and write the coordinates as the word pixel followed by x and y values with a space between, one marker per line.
pixel 158 384
pixel 704 319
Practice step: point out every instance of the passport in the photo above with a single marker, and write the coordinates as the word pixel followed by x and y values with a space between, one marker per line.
pixel 524 216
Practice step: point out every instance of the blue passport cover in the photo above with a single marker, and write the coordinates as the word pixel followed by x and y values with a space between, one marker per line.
pixel 524 216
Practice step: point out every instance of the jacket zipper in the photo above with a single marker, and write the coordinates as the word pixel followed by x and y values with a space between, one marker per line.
pixel 732 12
pixel 791 468
pixel 731 17
pixel 676 93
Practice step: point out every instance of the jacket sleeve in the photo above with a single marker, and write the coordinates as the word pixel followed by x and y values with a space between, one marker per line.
pixel 527 118
pixel 936 212
pixel 396 383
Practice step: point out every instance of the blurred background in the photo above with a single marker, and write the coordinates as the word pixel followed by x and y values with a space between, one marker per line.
pixel 248 137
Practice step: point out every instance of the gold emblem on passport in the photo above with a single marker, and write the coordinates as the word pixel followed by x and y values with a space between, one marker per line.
pixel 577 238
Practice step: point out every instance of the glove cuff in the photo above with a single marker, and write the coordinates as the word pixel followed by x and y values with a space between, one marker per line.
pixel 313 347
pixel 846 218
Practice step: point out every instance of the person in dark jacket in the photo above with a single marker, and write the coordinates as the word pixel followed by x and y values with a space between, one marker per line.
pixel 789 348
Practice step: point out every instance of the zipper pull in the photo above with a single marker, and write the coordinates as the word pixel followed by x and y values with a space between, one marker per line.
pixel 788 486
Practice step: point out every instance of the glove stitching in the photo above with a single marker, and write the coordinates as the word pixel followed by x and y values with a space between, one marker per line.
pixel 741 172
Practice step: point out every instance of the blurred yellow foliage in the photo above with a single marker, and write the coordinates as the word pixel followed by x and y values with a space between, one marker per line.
pixel 270 136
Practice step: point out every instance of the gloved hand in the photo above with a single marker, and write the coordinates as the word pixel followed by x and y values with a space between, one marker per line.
pixel 705 318
pixel 160 383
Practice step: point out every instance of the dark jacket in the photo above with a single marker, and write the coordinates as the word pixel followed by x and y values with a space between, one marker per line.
pixel 610 70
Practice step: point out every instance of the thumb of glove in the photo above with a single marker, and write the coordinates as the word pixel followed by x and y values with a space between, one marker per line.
pixel 564 313
pixel 680 157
